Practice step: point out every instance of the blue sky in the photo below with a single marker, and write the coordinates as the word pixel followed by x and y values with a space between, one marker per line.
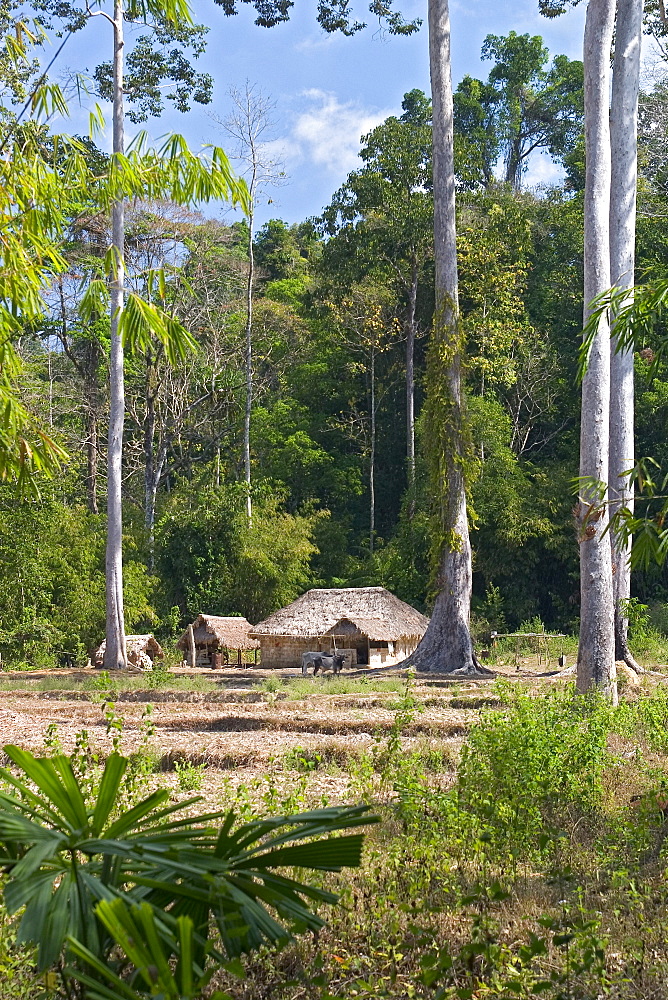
pixel 328 89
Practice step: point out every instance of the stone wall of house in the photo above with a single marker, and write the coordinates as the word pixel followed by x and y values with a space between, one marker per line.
pixel 391 653
pixel 280 652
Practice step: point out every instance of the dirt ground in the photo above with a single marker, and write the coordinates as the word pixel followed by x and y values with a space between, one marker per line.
pixel 241 728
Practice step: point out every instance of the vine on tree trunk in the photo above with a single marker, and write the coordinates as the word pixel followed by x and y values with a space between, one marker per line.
pixel 448 437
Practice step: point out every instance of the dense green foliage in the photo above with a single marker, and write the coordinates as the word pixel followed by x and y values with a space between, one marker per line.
pixel 342 307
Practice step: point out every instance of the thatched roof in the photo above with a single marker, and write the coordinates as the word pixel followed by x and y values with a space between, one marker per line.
pixel 214 630
pixel 135 645
pixel 373 611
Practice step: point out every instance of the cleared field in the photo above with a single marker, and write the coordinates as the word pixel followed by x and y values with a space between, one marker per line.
pixel 522 845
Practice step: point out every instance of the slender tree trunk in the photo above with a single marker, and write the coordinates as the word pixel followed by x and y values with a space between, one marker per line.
pixel 624 182
pixel 91 457
pixel 116 654
pixel 596 651
pixel 410 380
pixel 151 500
pixel 446 645
pixel 149 437
pixel 248 356
pixel 372 455
pixel 152 470
pixel 87 370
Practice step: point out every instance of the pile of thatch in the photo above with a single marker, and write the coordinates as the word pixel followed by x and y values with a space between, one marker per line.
pixel 217 632
pixel 142 651
pixel 372 611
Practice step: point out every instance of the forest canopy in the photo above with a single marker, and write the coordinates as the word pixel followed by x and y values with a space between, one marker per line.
pixel 342 307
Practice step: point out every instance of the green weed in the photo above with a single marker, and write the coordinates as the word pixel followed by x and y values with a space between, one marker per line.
pixel 190 777
pixel 270 685
pixel 301 759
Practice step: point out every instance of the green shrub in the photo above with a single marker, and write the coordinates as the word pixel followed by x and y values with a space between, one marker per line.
pixel 301 759
pixel 522 767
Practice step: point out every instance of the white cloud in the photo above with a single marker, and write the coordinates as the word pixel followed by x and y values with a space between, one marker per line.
pixel 315 43
pixel 327 133
pixel 542 170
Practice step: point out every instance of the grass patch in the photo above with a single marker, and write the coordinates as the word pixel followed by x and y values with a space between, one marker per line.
pixel 111 684
pixel 303 687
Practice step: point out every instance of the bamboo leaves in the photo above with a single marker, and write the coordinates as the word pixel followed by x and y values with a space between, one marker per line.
pixel 636 318
pixel 142 321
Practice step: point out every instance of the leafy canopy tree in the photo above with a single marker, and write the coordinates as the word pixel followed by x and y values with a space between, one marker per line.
pixel 476 137
pixel 285 252
pixel 524 106
pixel 381 221
pixel 38 197
pixel 332 15
pixel 210 556
pixel 159 66
pixel 52 584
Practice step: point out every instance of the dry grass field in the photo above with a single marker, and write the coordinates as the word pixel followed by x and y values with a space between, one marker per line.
pixel 240 721
pixel 521 845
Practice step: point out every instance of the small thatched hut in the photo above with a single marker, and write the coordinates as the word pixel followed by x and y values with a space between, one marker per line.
pixel 217 640
pixel 142 651
pixel 372 623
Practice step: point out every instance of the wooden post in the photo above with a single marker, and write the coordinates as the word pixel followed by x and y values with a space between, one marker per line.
pixel 193 654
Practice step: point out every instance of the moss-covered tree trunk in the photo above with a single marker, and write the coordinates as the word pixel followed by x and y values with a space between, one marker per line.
pixel 446 645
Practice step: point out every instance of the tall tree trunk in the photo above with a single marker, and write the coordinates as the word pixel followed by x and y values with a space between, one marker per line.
pixel 151 500
pixel 624 146
pixel 372 454
pixel 248 359
pixel 596 651
pixel 152 468
pixel 514 164
pixel 410 381
pixel 149 438
pixel 116 654
pixel 446 645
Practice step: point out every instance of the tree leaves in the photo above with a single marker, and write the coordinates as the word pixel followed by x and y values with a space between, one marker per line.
pixel 43 185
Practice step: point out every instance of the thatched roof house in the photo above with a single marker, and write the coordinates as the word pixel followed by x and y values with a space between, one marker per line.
pixel 372 623
pixel 142 651
pixel 214 638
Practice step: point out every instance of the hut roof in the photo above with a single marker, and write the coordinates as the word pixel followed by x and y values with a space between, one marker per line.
pixel 230 633
pixel 373 611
